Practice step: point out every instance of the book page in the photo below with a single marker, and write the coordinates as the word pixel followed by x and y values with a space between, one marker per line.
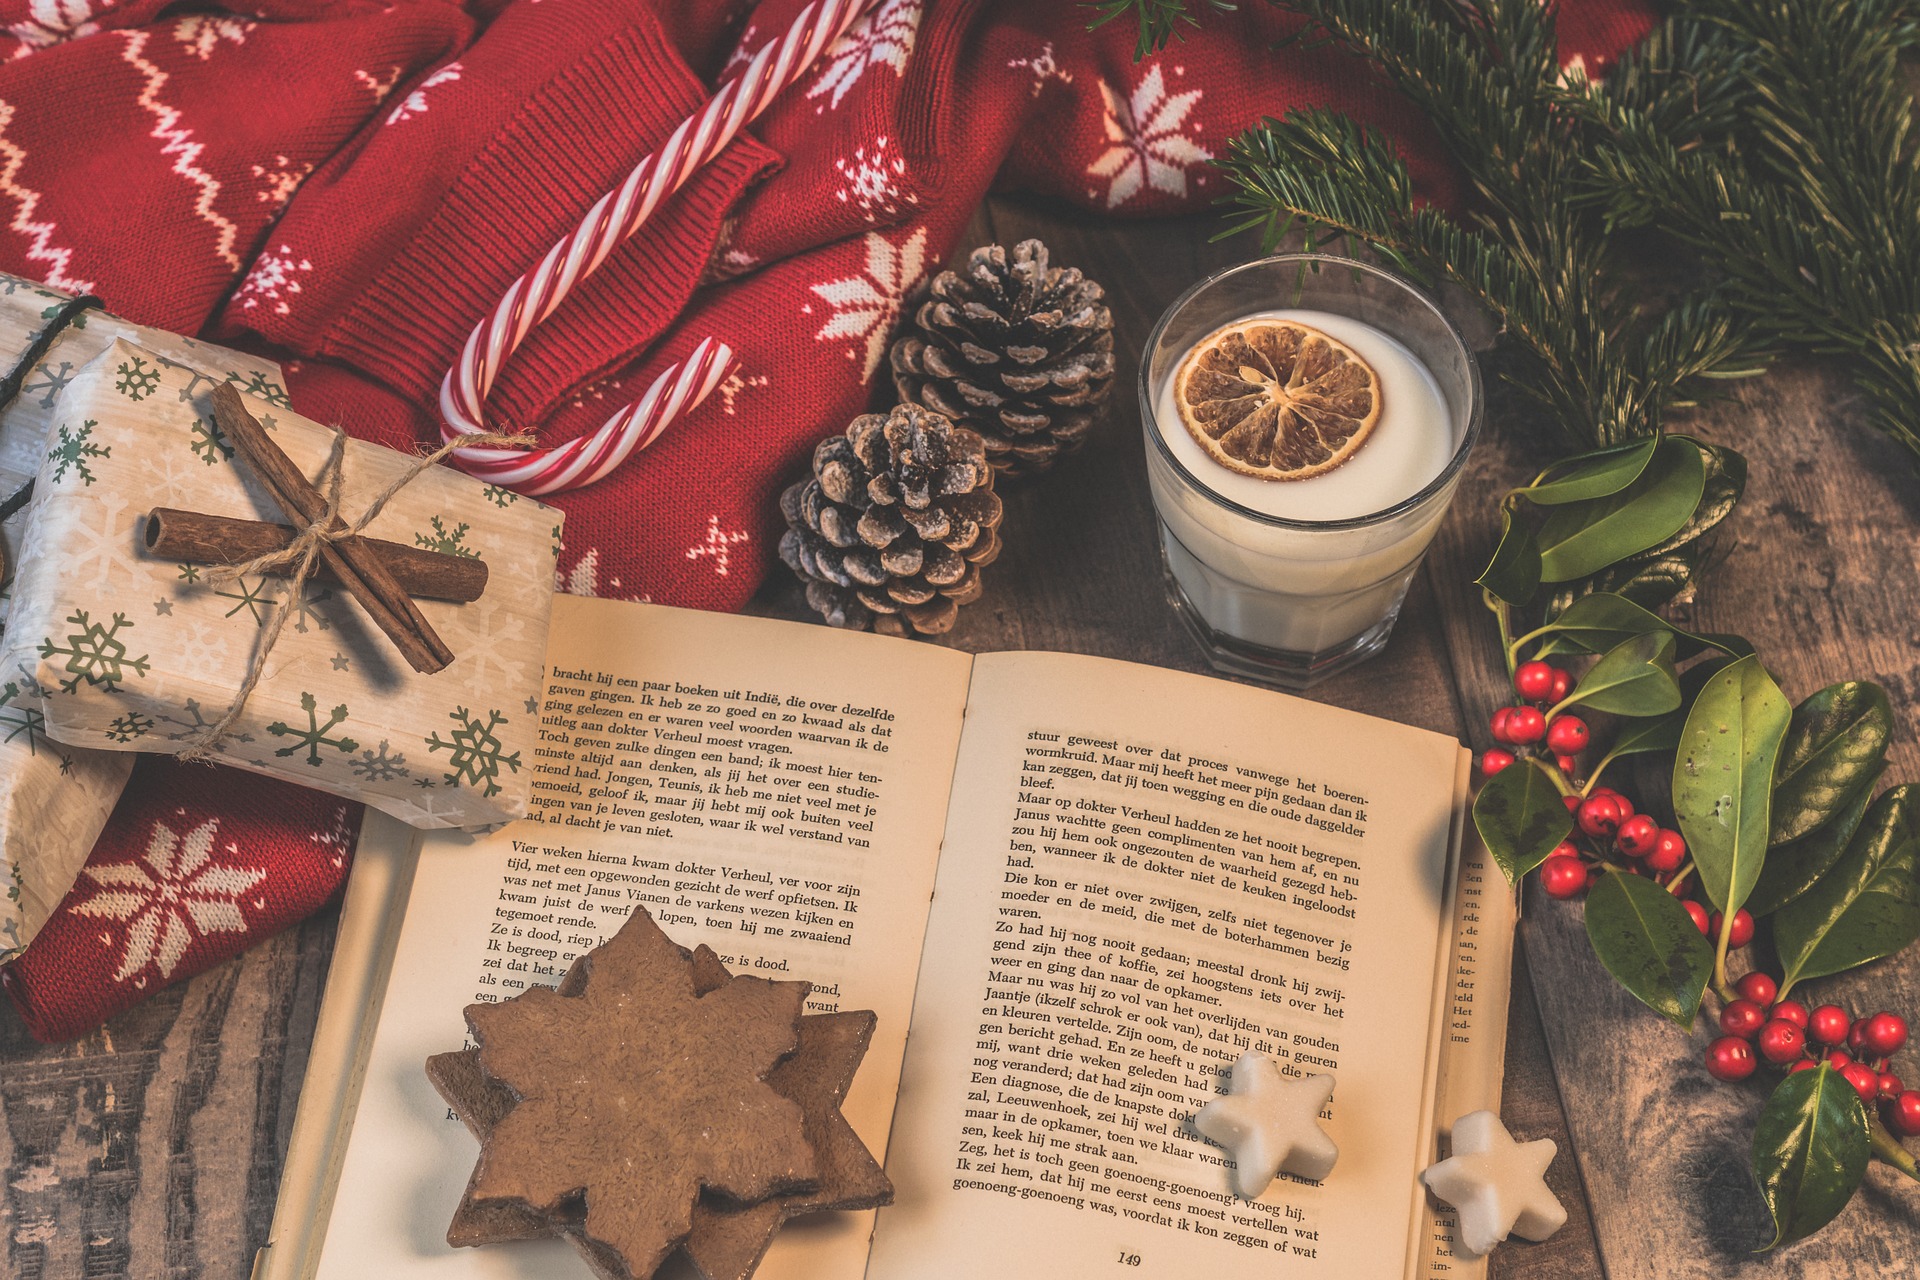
pixel 772 789
pixel 1145 875
pixel 1472 1036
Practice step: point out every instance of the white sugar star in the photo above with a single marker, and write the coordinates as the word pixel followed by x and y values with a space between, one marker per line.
pixel 1498 1185
pixel 1269 1122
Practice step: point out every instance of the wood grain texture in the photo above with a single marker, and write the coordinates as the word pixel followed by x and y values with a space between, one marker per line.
pixel 152 1148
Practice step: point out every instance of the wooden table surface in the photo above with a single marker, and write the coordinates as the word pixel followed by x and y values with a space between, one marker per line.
pixel 152 1147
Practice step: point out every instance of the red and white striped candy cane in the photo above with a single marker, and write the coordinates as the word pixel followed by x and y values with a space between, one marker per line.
pixel 614 217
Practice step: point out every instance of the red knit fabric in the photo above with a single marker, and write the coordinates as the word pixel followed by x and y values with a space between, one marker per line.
pixel 433 152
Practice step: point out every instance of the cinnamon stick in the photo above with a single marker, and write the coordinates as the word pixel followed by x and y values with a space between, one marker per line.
pixel 352 561
pixel 193 537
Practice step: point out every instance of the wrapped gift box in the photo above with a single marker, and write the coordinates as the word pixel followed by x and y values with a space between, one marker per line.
pixel 55 798
pixel 129 652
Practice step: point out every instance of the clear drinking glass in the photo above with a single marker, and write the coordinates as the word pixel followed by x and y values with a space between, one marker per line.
pixel 1291 601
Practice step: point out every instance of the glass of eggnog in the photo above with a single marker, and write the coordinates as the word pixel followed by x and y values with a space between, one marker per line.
pixel 1307 420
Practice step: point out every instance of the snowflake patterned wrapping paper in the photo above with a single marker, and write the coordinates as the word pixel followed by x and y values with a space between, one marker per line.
pixel 132 653
pixel 55 798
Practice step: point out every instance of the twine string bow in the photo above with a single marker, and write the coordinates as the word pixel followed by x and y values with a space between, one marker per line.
pixel 327 528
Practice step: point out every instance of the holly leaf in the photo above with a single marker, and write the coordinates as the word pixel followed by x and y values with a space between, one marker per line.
pixel 1650 945
pixel 1596 623
pixel 1638 737
pixel 1810 1151
pixel 1592 475
pixel 1634 678
pixel 1837 737
pixel 1724 481
pixel 1647 583
pixel 1796 866
pixel 1867 906
pixel 1723 777
pixel 1514 572
pixel 1581 538
pixel 1520 816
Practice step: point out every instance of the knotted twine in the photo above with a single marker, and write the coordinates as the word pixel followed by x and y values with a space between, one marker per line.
pixel 304 553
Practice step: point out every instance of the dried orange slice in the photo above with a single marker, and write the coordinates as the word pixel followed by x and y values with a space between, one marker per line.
pixel 1277 399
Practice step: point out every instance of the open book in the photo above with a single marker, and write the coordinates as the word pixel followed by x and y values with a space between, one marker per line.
pixel 1074 890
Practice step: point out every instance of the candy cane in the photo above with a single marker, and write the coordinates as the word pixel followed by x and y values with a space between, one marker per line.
pixel 613 218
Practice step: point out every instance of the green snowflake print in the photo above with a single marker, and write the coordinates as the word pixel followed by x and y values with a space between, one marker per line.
pixel 446 543
pixel 95 654
pixel 194 378
pixel 477 756
pixel 558 546
pixel 55 383
pixel 79 318
pixel 314 736
pixel 72 450
pixel 189 573
pixel 254 599
pixel 378 766
pixel 198 726
pixel 129 726
pixel 17 720
pixel 260 387
pixel 210 442
pixel 499 497
pixel 137 380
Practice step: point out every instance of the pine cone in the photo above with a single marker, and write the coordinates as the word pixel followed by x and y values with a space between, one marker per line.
pixel 1019 351
pixel 892 530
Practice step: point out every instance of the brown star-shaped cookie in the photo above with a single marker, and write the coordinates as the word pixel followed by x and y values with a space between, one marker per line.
pixel 631 1092
pixel 727 1239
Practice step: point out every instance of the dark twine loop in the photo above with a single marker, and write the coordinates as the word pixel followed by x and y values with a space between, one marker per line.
pixel 304 553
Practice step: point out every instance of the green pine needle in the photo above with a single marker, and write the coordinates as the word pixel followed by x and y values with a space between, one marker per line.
pixel 1160 20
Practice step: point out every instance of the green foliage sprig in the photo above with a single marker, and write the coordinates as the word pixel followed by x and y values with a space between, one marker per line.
pixel 1160 21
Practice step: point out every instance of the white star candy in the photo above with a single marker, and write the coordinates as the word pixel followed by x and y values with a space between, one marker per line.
pixel 1498 1185
pixel 1270 1123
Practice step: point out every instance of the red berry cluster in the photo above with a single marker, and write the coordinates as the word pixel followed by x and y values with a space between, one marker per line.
pixel 1788 1034
pixel 1605 818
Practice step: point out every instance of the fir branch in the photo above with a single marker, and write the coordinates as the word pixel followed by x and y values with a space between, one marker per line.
pixel 1535 252
pixel 1772 136
pixel 1160 20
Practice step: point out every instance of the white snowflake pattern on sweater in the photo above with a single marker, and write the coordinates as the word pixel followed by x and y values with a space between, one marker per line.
pixel 884 37
pixel 1147 146
pixel 180 891
pixel 865 306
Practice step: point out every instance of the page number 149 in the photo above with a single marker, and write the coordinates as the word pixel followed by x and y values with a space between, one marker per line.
pixel 1129 1259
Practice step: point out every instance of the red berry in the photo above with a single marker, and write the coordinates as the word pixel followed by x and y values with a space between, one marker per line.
pixel 1839 1059
pixel 1637 836
pixel 1534 681
pixel 1499 725
pixel 1567 765
pixel 1572 802
pixel 1805 1064
pixel 1738 936
pixel 1494 761
pixel 1730 1058
pixel 1865 1081
pixel 1829 1025
pixel 1562 876
pixel 1567 735
pixel 1699 914
pixel 1562 686
pixel 1857 1039
pixel 1791 1011
pixel 1757 987
pixel 1780 1042
pixel 1883 1034
pixel 1525 726
pixel 1620 801
pixel 1667 854
pixel 1743 1018
pixel 1598 816
pixel 1890 1086
pixel 1903 1114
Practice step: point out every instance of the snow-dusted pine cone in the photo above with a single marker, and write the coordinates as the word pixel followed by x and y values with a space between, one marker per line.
pixel 892 529
pixel 1015 349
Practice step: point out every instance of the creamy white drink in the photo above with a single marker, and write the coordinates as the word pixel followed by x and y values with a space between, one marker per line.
pixel 1296 565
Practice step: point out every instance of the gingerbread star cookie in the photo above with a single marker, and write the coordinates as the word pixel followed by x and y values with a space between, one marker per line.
pixel 633 1093
pixel 727 1239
